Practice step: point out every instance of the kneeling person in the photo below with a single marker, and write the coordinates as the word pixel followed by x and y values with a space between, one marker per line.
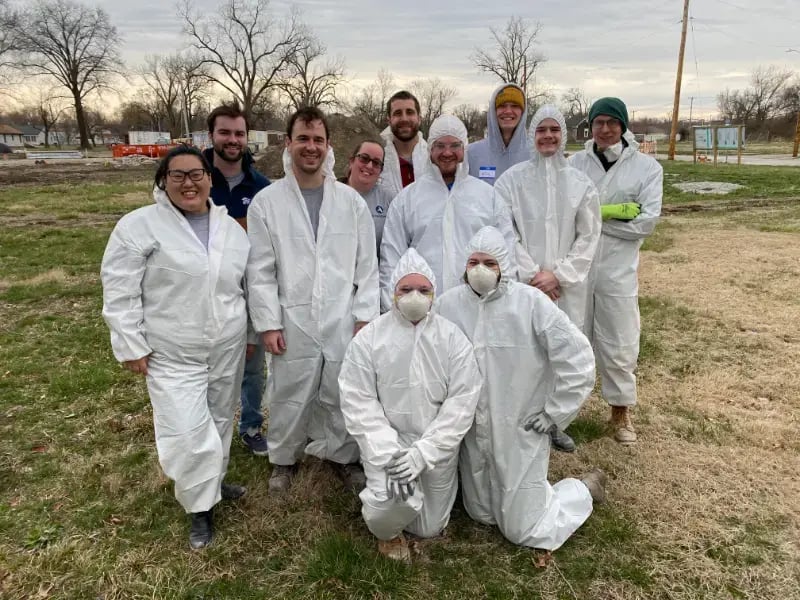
pixel 409 385
pixel 505 456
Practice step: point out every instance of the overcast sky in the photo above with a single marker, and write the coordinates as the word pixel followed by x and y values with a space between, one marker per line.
pixel 626 48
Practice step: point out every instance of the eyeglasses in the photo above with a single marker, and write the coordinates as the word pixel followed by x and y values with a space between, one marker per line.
pixel 441 147
pixel 179 176
pixel 366 159
pixel 610 123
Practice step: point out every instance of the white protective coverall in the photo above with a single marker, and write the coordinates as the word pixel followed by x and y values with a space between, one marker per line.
pixel 166 297
pixel 612 317
pixel 489 158
pixel 438 222
pixel 532 358
pixel 404 385
pixel 556 215
pixel 315 291
pixel 391 180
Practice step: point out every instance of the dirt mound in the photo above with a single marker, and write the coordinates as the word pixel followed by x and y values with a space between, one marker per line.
pixel 345 133
pixel 96 171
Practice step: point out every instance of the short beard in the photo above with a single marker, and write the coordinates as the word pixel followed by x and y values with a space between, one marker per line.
pixel 407 138
pixel 221 153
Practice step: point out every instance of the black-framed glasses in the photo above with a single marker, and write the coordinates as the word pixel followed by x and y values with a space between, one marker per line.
pixel 179 176
pixel 366 158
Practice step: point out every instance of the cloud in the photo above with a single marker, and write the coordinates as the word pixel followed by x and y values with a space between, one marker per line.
pixel 614 47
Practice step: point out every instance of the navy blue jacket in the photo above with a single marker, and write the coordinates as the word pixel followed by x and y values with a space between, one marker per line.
pixel 236 200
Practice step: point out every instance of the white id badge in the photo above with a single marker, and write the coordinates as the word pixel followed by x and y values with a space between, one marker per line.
pixel 487 172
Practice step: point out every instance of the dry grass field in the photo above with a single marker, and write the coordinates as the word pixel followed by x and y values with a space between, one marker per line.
pixel 706 506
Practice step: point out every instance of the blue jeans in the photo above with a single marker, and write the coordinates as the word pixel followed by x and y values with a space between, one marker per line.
pixel 252 391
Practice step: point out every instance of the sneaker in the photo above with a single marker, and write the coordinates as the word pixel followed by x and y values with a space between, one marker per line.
pixel 352 475
pixel 281 479
pixel 561 441
pixel 395 549
pixel 621 422
pixel 256 444
pixel 595 480
pixel 201 530
pixel 231 491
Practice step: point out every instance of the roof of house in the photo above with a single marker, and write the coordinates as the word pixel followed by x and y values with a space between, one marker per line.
pixel 29 130
pixel 8 130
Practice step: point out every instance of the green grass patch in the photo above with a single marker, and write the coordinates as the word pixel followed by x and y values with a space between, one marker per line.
pixel 26 253
pixel 751 542
pixel 696 427
pixel 585 429
pixel 759 182
pixel 74 201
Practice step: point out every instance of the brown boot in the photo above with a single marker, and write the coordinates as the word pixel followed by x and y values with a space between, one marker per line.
pixel 281 478
pixel 621 422
pixel 595 480
pixel 396 548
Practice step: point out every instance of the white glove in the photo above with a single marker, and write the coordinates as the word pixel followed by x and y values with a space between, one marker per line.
pixel 406 465
pixel 540 423
pixel 395 489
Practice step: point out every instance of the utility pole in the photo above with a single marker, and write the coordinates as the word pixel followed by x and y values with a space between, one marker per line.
pixel 796 138
pixel 676 104
pixel 691 106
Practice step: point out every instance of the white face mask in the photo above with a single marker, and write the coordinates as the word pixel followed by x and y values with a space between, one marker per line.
pixel 482 279
pixel 414 306
pixel 613 153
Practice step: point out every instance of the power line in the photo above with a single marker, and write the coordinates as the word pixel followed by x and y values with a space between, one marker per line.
pixel 694 54
pixel 749 11
pixel 741 39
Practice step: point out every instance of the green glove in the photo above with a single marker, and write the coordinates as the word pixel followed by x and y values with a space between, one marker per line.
pixel 626 211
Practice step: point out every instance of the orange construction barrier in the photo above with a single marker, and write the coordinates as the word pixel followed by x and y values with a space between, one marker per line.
pixel 149 150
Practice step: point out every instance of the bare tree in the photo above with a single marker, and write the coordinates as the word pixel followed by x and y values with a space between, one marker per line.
pixel 137 115
pixel 371 101
pixel 514 57
pixel 474 119
pixel 768 85
pixel 74 44
pixel 768 97
pixel 195 85
pixel 47 108
pixel 9 30
pixel 96 122
pixel 313 84
pixel 176 82
pixel 575 103
pixel 248 49
pixel 433 95
pixel 267 111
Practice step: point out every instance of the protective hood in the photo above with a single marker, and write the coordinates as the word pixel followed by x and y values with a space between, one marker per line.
pixel 518 142
pixel 412 263
pixel 327 165
pixel 445 125
pixel 490 241
pixel 548 111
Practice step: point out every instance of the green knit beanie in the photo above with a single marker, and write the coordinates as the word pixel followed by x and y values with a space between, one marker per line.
pixel 612 107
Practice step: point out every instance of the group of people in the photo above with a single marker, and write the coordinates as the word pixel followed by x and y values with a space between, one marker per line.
pixel 438 311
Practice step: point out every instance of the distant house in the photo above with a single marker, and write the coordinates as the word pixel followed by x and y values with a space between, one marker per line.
pixel 11 137
pixel 581 129
pixel 30 134
pixel 34 136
